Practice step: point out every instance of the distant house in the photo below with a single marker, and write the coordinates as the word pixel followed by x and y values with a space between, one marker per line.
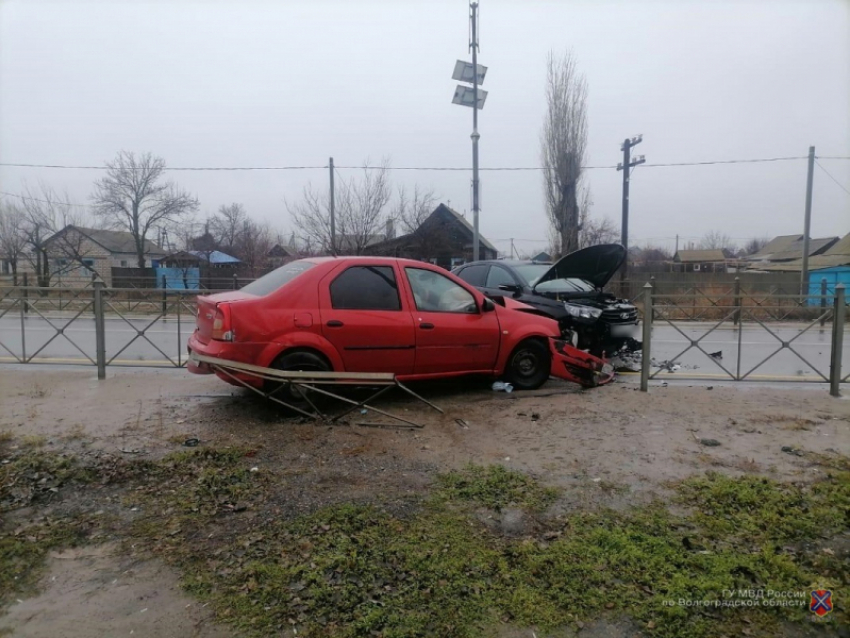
pixel 706 260
pixel 788 248
pixel 280 255
pixel 542 257
pixel 444 239
pixel 75 254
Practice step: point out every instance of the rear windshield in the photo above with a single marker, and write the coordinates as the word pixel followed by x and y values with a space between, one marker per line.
pixel 276 278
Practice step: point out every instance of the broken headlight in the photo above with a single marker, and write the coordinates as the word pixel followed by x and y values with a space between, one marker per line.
pixel 582 312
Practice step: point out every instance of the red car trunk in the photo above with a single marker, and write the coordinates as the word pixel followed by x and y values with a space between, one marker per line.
pixel 214 315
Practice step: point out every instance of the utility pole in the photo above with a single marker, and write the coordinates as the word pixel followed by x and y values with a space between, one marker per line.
pixel 627 164
pixel 512 247
pixel 333 221
pixel 804 275
pixel 677 244
pixel 473 16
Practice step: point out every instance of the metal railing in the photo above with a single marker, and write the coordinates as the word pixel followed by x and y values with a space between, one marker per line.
pixel 694 324
pixel 96 326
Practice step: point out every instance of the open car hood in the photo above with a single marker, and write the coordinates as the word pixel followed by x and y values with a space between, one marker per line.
pixel 595 264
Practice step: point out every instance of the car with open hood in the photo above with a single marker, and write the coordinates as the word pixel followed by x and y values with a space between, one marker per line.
pixel 571 291
pixel 378 314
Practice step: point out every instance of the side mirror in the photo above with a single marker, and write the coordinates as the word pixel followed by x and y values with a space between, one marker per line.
pixel 512 288
pixel 488 305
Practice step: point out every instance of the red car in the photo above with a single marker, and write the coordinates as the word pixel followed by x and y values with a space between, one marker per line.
pixel 371 314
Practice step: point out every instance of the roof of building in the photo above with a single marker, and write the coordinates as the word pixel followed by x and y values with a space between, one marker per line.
pixel 837 255
pixel 468 226
pixel 699 256
pixel 113 241
pixel 215 257
pixel 795 249
pixel 776 245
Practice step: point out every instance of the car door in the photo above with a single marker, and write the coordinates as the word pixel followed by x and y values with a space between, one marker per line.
pixel 453 334
pixel 366 319
pixel 499 276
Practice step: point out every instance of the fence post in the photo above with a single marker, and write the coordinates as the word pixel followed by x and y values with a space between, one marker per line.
pixel 164 296
pixel 235 282
pixel 646 358
pixel 26 305
pixel 737 316
pixel 823 302
pixel 838 317
pixel 99 330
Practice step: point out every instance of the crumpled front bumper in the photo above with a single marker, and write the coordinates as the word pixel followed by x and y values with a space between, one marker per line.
pixel 578 366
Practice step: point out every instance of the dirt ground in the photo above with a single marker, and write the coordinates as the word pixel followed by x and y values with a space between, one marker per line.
pixel 592 443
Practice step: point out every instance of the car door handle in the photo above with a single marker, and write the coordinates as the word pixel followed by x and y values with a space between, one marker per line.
pixel 426 326
pixel 334 323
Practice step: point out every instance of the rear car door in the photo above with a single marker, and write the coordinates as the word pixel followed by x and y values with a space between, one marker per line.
pixel 366 320
pixel 453 334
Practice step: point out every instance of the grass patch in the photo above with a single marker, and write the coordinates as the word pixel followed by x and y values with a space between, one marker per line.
pixel 358 570
pixel 495 487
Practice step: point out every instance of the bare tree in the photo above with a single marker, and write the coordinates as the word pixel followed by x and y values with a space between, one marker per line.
pixel 228 225
pixel 133 197
pixel 13 240
pixel 54 246
pixel 412 212
pixel 563 144
pixel 754 245
pixel 718 240
pixel 649 255
pixel 360 209
pixel 254 243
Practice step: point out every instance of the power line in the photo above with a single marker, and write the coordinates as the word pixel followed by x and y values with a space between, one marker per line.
pixel 832 157
pixel 828 174
pixel 413 168
pixel 44 201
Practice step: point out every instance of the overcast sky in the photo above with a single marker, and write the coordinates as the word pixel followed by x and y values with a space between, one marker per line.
pixel 292 83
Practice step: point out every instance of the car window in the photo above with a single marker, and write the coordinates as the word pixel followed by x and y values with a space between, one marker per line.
pixel 532 272
pixel 366 288
pixel 276 278
pixel 499 276
pixel 474 275
pixel 434 292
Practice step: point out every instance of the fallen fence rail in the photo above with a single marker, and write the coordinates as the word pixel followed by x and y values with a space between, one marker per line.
pixel 307 382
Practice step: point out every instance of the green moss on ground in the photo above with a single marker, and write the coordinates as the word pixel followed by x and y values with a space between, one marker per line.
pixel 355 570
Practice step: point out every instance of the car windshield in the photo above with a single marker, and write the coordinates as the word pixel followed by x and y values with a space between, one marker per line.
pixel 276 278
pixel 530 273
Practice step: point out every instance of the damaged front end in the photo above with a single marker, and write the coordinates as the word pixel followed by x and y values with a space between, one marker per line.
pixel 578 366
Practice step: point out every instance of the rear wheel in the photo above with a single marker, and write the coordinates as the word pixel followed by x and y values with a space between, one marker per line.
pixel 296 361
pixel 529 365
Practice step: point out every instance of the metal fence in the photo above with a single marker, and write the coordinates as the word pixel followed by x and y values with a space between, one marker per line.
pixel 764 329
pixel 96 326
pixel 683 326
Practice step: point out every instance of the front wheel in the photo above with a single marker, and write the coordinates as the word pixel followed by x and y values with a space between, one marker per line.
pixel 529 365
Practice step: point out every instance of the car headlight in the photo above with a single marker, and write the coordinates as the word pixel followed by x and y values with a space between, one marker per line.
pixel 582 312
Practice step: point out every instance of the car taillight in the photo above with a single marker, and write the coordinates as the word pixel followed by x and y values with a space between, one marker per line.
pixel 221 326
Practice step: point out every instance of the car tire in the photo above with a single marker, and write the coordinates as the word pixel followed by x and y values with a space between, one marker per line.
pixel 529 365
pixel 296 361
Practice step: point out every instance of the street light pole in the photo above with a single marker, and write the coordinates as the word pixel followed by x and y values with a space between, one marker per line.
pixel 475 136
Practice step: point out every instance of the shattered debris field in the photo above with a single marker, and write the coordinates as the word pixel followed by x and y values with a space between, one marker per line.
pixel 157 503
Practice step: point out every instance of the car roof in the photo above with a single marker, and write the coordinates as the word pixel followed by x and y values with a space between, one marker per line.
pixel 368 259
pixel 505 262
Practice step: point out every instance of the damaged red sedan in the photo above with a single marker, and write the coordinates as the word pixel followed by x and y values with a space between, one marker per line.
pixel 366 314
